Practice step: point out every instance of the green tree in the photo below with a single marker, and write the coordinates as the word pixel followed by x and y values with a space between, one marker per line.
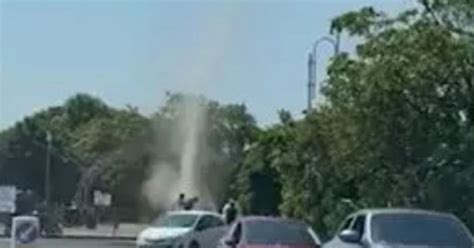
pixel 405 107
pixel 396 128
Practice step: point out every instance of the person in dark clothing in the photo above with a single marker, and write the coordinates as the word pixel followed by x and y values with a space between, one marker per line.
pixel 230 211
pixel 116 221
pixel 189 204
pixel 180 203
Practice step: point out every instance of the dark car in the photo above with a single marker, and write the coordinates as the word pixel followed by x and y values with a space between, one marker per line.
pixel 387 228
pixel 269 232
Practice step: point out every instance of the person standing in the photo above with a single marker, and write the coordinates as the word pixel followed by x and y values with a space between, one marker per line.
pixel 116 221
pixel 180 204
pixel 191 203
pixel 230 211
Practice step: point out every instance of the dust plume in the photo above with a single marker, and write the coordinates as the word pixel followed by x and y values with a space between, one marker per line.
pixel 181 174
pixel 193 171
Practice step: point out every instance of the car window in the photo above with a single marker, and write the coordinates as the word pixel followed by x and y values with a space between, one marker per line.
pixel 419 229
pixel 176 220
pixel 204 223
pixel 264 232
pixel 359 224
pixel 346 224
pixel 216 221
pixel 209 221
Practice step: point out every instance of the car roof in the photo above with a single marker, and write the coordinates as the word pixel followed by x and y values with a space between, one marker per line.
pixel 376 211
pixel 257 217
pixel 194 212
pixel 269 219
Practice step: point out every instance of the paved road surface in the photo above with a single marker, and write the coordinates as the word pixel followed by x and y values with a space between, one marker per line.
pixel 130 230
pixel 69 243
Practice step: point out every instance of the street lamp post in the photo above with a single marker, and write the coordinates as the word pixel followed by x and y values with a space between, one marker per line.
pixel 311 80
pixel 49 139
pixel 312 66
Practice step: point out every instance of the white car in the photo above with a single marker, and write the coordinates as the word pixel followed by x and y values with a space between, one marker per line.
pixel 183 229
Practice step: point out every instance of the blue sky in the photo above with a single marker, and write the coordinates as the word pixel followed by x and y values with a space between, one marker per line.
pixel 132 52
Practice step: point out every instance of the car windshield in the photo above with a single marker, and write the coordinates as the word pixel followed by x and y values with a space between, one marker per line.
pixel 419 229
pixel 176 220
pixel 262 232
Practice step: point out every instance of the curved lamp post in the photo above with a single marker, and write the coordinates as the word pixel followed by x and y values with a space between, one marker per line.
pixel 312 66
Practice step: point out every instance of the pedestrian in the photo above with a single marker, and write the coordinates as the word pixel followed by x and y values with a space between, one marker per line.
pixel 180 203
pixel 230 211
pixel 116 221
pixel 189 204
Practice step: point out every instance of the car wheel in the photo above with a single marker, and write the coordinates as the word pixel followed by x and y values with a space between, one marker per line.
pixel 194 244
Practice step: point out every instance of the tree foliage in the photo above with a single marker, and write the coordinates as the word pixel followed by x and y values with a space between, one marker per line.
pixel 95 146
pixel 396 129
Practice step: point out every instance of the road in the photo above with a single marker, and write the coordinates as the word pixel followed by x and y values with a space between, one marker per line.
pixel 77 243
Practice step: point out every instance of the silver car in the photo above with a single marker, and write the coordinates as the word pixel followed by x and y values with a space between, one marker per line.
pixel 387 228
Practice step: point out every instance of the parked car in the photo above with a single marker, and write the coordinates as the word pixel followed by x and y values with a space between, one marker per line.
pixel 183 229
pixel 269 232
pixel 384 228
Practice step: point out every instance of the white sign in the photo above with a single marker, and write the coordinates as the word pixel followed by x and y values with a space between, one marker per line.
pixel 7 199
pixel 102 199
pixel 25 232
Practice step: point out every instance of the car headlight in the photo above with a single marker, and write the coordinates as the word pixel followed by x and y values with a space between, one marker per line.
pixel 170 241
pixel 161 241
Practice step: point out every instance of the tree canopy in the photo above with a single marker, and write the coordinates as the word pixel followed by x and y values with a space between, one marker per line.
pixel 396 128
pixel 95 146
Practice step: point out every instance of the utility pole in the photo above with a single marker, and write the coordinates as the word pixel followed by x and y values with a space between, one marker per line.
pixel 47 185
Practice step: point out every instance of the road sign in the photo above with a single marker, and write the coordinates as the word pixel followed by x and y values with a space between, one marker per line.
pixel 7 199
pixel 25 232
